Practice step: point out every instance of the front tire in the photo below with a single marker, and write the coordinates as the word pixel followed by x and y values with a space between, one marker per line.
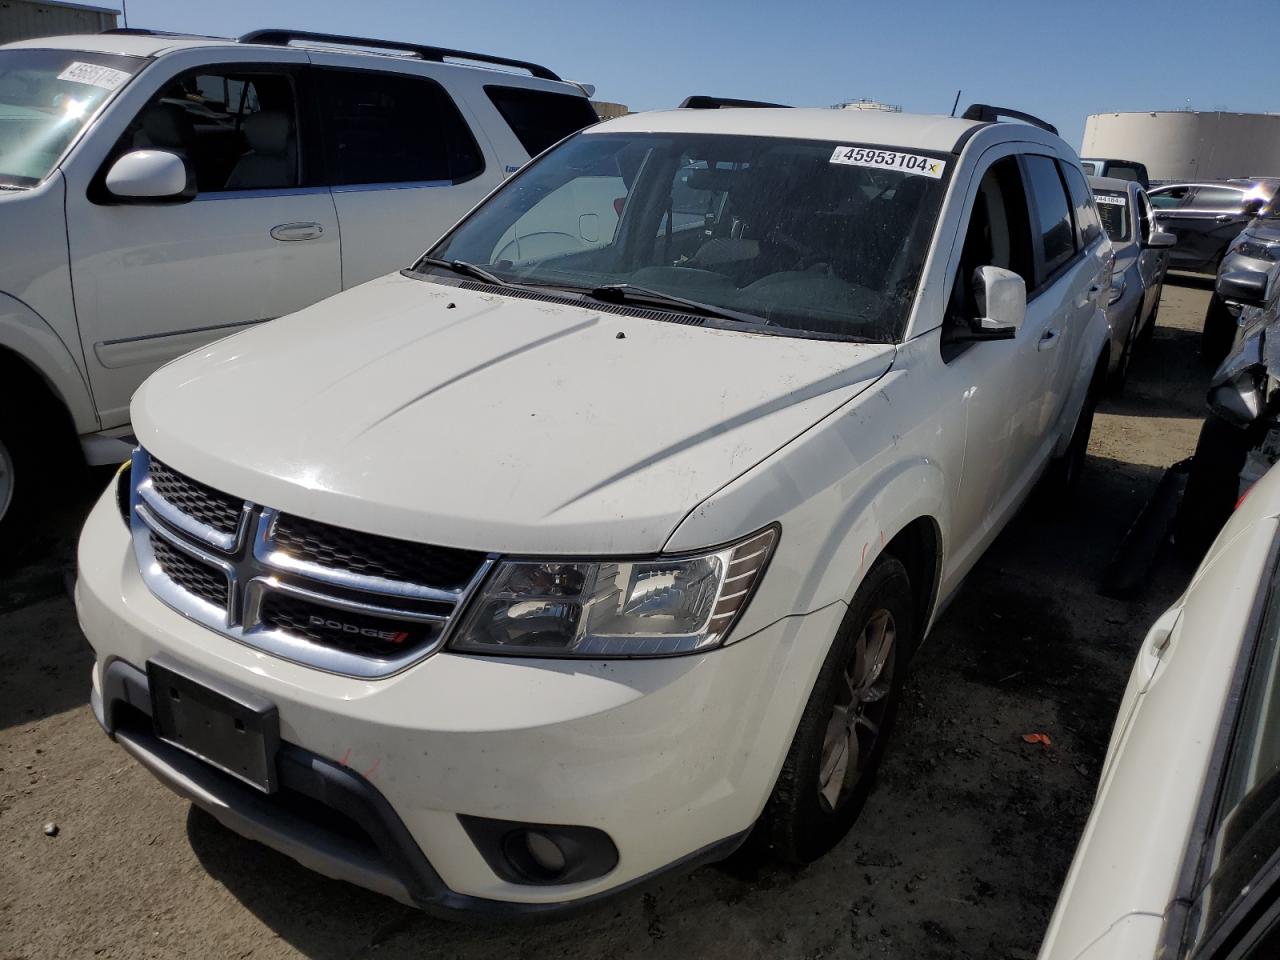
pixel 830 768
pixel 1219 332
pixel 19 492
pixel 1064 472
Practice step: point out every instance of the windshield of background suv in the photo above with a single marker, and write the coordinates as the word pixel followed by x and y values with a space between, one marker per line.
pixel 805 236
pixel 1113 207
pixel 46 98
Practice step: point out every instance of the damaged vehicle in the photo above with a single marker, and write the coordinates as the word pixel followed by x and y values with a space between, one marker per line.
pixel 604 534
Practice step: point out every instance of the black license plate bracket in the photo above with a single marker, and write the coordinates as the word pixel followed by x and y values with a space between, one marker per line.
pixel 236 732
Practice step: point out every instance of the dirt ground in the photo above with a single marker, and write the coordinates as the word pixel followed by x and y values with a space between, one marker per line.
pixel 960 851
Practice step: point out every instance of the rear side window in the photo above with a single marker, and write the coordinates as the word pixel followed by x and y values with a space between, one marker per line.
pixel 1169 197
pixel 1051 228
pixel 1123 171
pixel 1216 198
pixel 392 128
pixel 1082 201
pixel 538 118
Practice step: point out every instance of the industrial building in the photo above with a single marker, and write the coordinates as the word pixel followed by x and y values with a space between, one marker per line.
pixel 24 19
pixel 1188 144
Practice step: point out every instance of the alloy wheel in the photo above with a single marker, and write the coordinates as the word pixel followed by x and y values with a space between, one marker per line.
pixel 858 714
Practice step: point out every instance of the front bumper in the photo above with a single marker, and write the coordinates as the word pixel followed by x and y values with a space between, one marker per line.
pixel 673 759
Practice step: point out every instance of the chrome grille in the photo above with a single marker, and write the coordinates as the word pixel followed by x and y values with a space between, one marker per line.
pixel 369 555
pixel 205 581
pixel 203 503
pixel 340 600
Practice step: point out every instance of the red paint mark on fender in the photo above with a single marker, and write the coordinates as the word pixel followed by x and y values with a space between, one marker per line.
pixel 369 773
pixel 345 757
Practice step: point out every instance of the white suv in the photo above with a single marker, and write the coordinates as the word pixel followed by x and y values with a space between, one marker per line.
pixel 605 533
pixel 312 169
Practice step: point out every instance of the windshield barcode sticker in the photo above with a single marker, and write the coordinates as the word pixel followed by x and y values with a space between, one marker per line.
pixel 889 160
pixel 1103 198
pixel 94 75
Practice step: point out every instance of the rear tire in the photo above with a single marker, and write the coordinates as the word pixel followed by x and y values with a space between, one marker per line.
pixel 1064 472
pixel 1213 484
pixel 823 786
pixel 1219 332
pixel 20 492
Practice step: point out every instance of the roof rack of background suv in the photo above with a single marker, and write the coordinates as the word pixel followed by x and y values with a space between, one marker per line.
pixel 989 114
pixel 715 103
pixel 282 38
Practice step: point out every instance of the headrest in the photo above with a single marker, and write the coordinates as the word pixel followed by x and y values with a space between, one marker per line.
pixel 714 180
pixel 267 132
pixel 167 126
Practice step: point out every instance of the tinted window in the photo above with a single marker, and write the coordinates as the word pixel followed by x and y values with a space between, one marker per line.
pixel 1082 200
pixel 1168 197
pixel 1052 227
pixel 1090 167
pixel 1217 198
pixel 998 235
pixel 238 131
pixel 1123 171
pixel 388 128
pixel 539 119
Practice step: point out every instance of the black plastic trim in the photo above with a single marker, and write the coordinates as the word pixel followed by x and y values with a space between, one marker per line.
pixel 987 112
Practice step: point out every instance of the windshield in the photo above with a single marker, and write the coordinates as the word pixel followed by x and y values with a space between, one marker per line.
pixel 46 98
pixel 805 236
pixel 1113 207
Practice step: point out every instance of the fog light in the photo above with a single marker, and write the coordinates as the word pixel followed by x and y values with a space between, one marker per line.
pixel 544 852
pixel 541 853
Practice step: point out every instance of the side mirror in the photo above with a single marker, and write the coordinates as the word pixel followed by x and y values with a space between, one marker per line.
pixel 1245 287
pixel 1002 303
pixel 1253 206
pixel 150 176
pixel 1161 239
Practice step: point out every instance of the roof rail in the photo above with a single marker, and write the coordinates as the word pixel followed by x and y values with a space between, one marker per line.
pixel 989 114
pixel 699 102
pixel 282 38
pixel 146 32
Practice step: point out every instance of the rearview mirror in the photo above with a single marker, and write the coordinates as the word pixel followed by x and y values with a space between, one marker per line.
pixel 150 176
pixel 1002 304
pixel 1160 239
pixel 1245 287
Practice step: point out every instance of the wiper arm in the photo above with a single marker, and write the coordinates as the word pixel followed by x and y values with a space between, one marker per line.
pixel 619 292
pixel 467 270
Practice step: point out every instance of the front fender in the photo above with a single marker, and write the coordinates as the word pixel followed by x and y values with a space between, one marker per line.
pixel 27 335
pixel 1097 340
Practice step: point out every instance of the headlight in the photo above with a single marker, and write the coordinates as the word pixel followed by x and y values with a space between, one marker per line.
pixel 1117 289
pixel 1247 247
pixel 650 607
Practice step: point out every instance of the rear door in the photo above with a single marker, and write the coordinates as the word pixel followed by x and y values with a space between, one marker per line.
pixel 402 161
pixel 155 280
pixel 1205 223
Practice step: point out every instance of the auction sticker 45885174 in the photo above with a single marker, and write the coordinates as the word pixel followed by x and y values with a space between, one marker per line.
pixel 890 160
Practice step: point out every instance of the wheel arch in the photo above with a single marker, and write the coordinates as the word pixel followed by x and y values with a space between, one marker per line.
pixel 36 358
pixel 1095 358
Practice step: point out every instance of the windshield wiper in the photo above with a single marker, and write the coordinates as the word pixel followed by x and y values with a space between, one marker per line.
pixel 467 270
pixel 620 292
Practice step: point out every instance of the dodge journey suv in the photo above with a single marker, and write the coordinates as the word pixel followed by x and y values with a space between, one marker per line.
pixel 604 534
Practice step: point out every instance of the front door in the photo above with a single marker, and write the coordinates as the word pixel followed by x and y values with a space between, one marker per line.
pixel 154 281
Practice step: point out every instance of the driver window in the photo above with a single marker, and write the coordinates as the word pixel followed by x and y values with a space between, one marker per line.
pixel 236 131
pixel 997 236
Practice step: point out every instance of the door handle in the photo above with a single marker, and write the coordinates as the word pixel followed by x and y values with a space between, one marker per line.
pixel 1048 340
pixel 297 231
pixel 1223 217
pixel 1094 290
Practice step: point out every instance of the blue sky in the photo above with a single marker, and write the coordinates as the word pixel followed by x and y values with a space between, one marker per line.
pixel 1059 60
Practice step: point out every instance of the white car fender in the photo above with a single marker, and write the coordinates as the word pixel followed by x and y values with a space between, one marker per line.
pixel 30 337
pixel 1097 335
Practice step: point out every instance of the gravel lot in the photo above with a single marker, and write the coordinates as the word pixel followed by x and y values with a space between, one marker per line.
pixel 959 853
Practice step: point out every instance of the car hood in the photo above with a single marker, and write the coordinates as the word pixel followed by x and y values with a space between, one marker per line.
pixel 428 412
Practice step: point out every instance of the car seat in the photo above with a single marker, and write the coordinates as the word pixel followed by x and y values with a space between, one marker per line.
pixel 271 160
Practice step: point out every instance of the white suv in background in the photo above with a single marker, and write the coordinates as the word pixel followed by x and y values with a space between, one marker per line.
pixel 310 169
pixel 606 532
